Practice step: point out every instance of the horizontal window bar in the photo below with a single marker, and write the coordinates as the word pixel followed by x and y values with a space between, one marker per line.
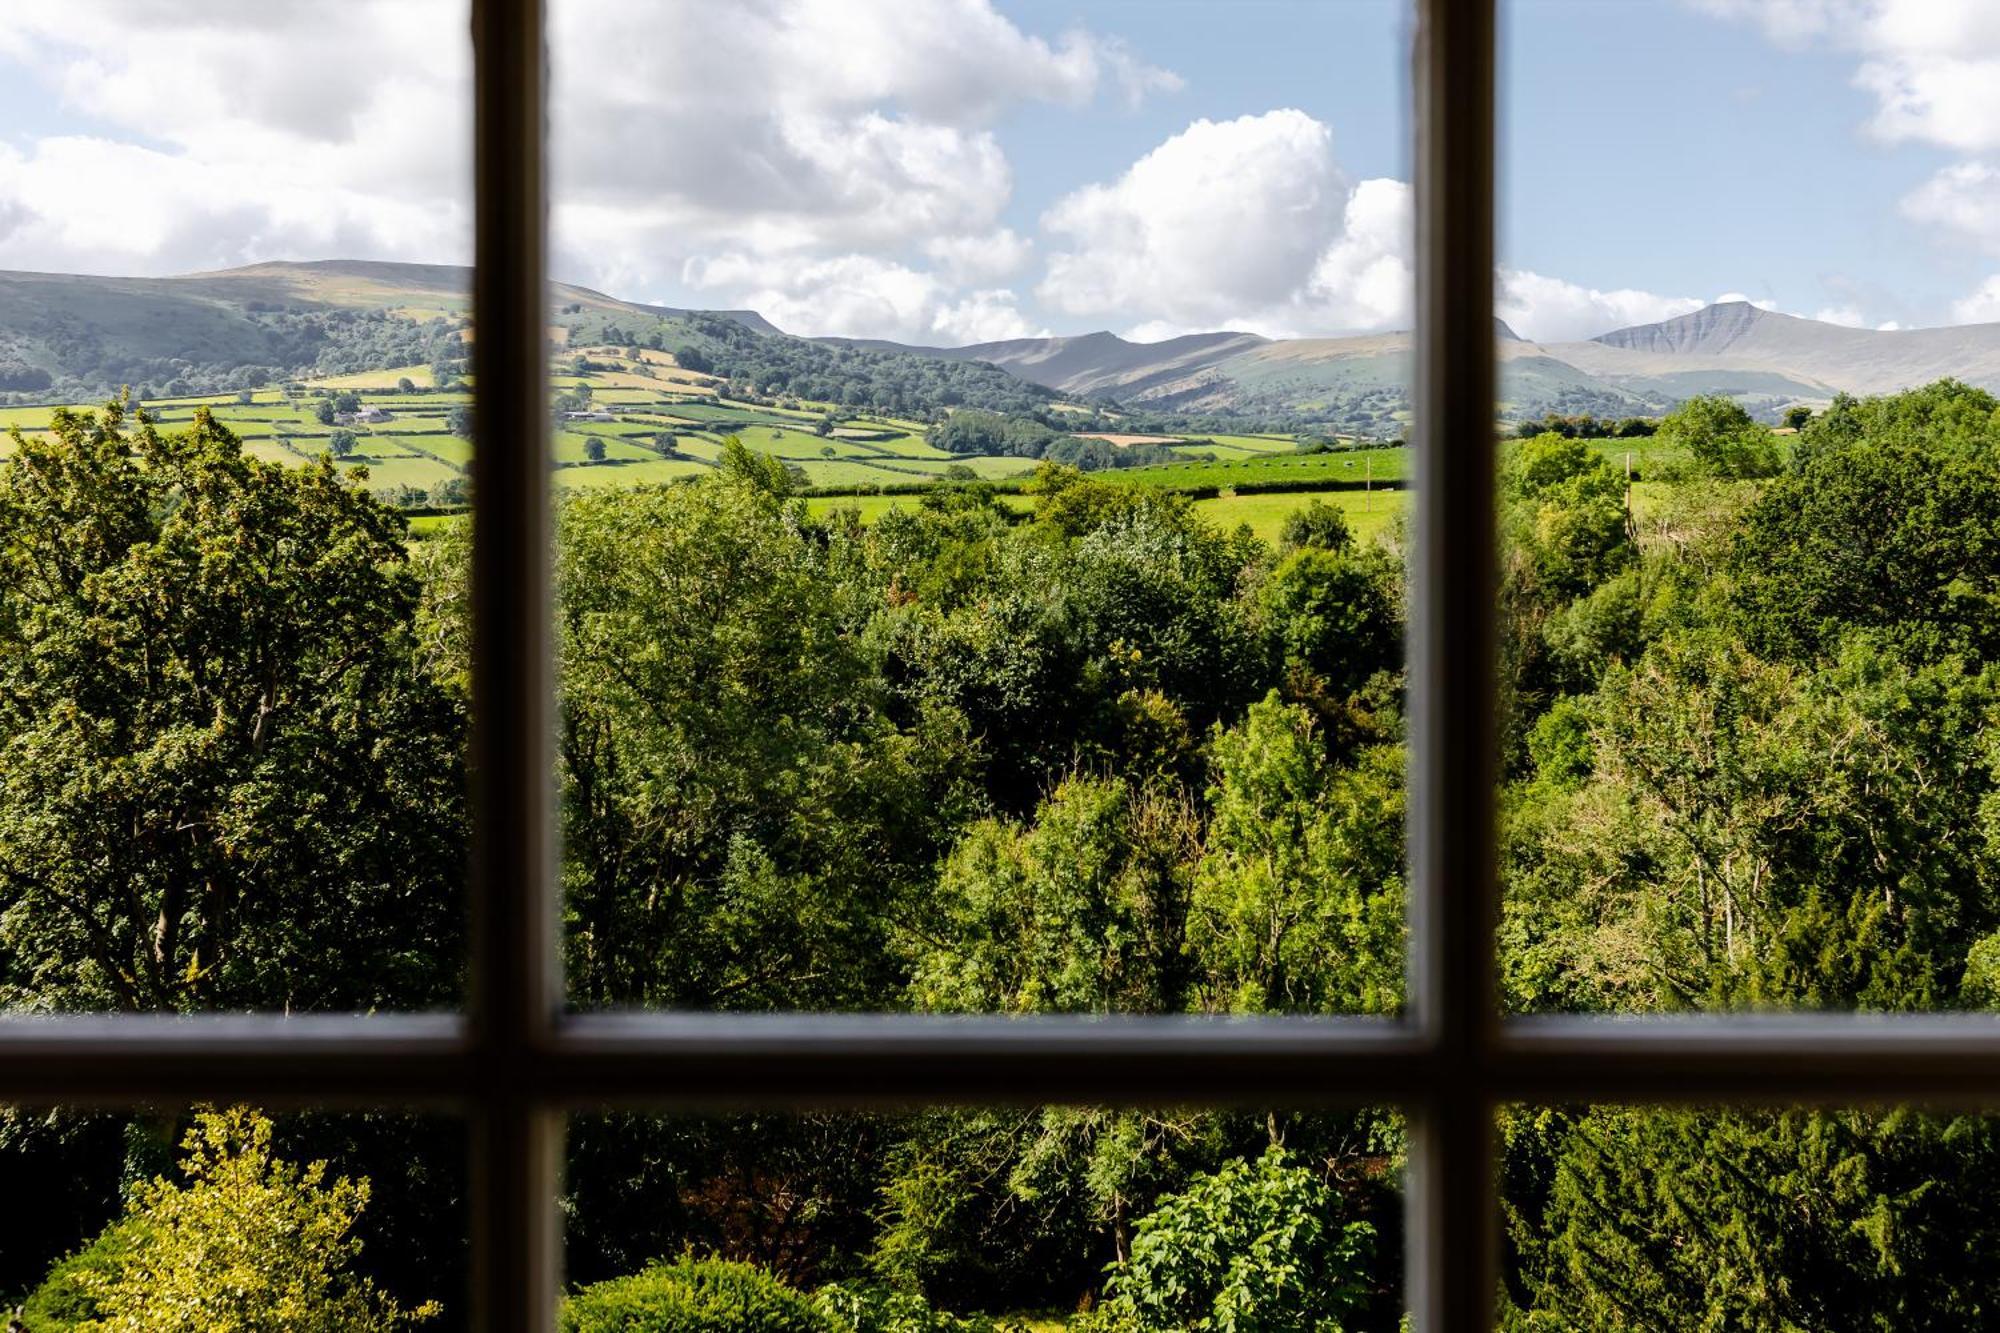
pixel 886 1058
pixel 1772 1059
pixel 322 1059
pixel 715 1060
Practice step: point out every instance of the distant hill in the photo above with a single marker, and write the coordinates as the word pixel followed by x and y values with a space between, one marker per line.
pixel 74 336
pixel 1361 383
pixel 1763 359
pixel 1856 360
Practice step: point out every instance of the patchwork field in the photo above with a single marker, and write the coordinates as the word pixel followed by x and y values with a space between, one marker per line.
pixel 629 416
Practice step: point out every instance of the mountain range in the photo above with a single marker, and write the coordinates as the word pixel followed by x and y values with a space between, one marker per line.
pixel 66 332
pixel 1761 357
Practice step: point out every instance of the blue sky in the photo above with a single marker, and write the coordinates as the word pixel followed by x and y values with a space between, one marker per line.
pixel 954 170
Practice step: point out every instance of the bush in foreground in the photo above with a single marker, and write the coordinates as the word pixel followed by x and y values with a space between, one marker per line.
pixel 693 1296
pixel 1252 1248
pixel 246 1241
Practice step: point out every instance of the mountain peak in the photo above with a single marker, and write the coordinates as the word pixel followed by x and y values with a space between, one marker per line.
pixel 1710 330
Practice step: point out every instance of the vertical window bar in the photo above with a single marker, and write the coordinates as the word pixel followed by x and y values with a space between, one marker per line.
pixel 1454 886
pixel 515 984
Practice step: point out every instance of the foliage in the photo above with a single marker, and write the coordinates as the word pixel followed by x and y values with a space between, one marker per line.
pixel 693 1296
pixel 1587 427
pixel 1722 437
pixel 248 1242
pixel 1316 524
pixel 1096 758
pixel 970 431
pixel 852 1308
pixel 1252 1248
pixel 1298 900
pixel 1882 534
pixel 1670 1219
pixel 829 371
pixel 1082 911
pixel 229 776
pixel 724 741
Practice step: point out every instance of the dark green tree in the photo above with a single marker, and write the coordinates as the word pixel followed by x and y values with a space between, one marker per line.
pixel 229 775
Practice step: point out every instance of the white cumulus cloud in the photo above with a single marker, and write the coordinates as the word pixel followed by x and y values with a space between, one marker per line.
pixel 233 131
pixel 1545 309
pixel 1246 223
pixel 1932 66
pixel 988 257
pixel 1982 306
pixel 860 296
pixel 1964 199
pixel 1251 224
pixel 758 141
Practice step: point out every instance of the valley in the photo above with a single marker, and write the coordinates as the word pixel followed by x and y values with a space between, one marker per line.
pixel 365 362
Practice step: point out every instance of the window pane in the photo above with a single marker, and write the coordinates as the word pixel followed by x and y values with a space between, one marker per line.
pixel 1076 1218
pixel 1749 565
pixel 231 702
pixel 924 644
pixel 1623 1218
pixel 230 1217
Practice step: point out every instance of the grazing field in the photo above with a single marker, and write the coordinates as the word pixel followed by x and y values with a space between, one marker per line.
pixel 641 390
pixel 651 470
pixel 872 507
pixel 1355 466
pixel 413 456
pixel 1369 514
pixel 380 379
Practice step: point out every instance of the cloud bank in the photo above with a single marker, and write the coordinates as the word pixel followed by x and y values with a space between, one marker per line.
pixel 714 152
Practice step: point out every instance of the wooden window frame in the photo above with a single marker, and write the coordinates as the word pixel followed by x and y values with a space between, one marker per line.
pixel 515 1063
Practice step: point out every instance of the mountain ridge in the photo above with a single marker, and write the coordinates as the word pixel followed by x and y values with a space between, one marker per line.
pixel 54 326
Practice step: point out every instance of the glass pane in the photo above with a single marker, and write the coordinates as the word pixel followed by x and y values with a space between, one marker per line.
pixel 998 1219
pixel 1748 511
pixel 229 1217
pixel 980 577
pixel 1621 1218
pixel 231 709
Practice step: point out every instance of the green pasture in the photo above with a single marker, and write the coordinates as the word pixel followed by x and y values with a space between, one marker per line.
pixel 448 449
pixel 638 473
pixel 872 507
pixel 847 472
pixel 415 470
pixel 1369 514
pixel 992 468
pixel 1358 466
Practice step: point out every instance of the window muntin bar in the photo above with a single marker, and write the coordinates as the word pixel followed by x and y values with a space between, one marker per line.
pixel 515 976
pixel 1451 1207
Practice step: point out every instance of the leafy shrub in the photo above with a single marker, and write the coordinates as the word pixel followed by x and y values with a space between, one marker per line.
pixel 694 1296
pixel 249 1241
pixel 1724 439
pixel 1253 1248
pixel 865 1309
pixel 65 1300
